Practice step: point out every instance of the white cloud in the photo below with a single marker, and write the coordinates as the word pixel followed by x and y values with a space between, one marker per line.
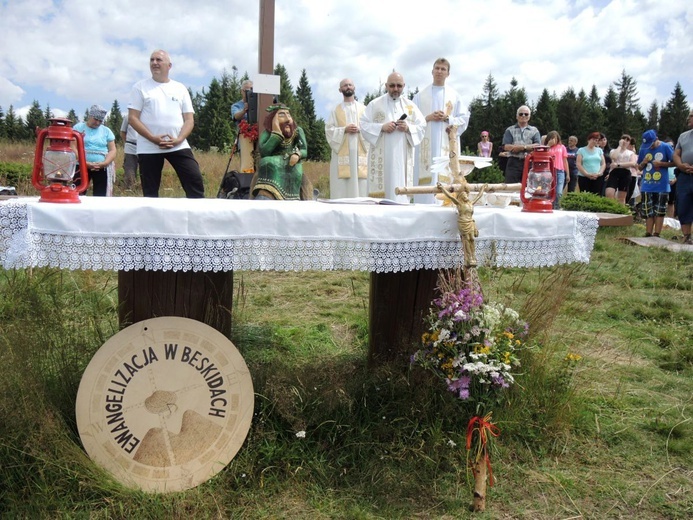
pixel 81 52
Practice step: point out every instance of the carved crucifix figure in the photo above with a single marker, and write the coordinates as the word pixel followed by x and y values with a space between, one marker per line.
pixel 465 207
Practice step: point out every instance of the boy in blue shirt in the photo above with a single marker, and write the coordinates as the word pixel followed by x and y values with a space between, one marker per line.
pixel 654 160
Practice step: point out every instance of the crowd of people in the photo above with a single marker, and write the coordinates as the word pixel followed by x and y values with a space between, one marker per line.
pixel 657 173
pixel 392 142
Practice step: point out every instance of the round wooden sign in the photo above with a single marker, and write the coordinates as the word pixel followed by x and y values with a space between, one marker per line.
pixel 165 404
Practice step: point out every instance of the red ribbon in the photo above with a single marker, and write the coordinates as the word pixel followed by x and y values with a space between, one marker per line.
pixel 485 428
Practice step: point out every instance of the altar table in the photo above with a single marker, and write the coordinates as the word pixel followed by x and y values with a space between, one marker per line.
pixel 205 240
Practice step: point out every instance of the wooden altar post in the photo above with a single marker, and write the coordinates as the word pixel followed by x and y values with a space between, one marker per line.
pixel 398 304
pixel 201 296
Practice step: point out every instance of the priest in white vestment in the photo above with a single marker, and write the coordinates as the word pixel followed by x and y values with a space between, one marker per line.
pixel 393 126
pixel 349 162
pixel 442 108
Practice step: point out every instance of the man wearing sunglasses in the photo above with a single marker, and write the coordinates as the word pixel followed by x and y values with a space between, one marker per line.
pixel 518 140
pixel 393 127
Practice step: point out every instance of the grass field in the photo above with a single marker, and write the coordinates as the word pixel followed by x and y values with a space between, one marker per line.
pixel 607 436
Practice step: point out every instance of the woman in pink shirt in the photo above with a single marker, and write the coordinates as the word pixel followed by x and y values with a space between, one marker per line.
pixel 560 163
pixel 485 146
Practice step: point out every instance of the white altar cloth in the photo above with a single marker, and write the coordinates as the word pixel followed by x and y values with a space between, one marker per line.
pixel 126 233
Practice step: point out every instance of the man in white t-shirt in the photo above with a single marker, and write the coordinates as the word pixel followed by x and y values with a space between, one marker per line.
pixel 161 112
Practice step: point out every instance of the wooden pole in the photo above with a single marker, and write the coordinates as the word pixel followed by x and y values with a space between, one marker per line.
pixel 266 52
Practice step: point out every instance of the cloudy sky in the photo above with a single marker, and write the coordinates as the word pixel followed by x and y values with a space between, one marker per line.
pixel 74 53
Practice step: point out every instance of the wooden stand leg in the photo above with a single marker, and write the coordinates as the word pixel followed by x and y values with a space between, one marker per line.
pixel 201 296
pixel 398 304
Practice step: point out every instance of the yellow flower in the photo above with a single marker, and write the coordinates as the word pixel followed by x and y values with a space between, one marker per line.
pixel 573 357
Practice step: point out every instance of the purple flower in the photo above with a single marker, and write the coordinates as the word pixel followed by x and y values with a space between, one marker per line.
pixel 460 387
pixel 499 380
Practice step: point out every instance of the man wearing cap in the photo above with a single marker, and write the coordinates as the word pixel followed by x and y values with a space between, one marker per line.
pixel 518 140
pixel 443 109
pixel 683 159
pixel 654 159
pixel 100 149
pixel 161 112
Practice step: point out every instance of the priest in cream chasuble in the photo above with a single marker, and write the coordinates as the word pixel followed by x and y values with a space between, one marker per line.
pixel 393 126
pixel 349 161
pixel 442 107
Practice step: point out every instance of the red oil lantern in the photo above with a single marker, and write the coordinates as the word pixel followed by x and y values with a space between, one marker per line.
pixel 54 168
pixel 538 181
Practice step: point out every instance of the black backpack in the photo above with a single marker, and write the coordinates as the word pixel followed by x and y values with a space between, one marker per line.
pixel 235 185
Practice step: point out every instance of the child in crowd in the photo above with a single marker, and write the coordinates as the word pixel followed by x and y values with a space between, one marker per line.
pixel 560 164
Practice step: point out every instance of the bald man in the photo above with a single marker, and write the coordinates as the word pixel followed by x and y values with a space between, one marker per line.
pixel 393 126
pixel 349 162
pixel 161 111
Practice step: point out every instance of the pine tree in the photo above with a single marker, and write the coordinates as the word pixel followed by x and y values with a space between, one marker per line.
pixel 72 116
pixel 14 126
pixel 286 93
pixel 34 119
pixel 628 103
pixel 653 116
pixel 570 112
pixel 318 149
pixel 545 116
pixel 484 114
pixel 48 114
pixel 2 124
pixel 614 118
pixel 594 112
pixel 214 126
pixel 672 119
pixel 512 99
pixel 198 101
pixel 114 120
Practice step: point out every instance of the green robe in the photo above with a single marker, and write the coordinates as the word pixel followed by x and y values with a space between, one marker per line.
pixel 274 174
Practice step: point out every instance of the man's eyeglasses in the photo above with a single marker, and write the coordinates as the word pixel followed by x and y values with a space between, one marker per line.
pixel 393 85
pixel 523 114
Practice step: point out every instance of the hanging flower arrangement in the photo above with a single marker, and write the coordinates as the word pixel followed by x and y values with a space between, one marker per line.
pixel 248 131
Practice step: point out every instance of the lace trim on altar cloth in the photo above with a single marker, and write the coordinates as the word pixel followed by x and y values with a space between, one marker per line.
pixel 21 248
